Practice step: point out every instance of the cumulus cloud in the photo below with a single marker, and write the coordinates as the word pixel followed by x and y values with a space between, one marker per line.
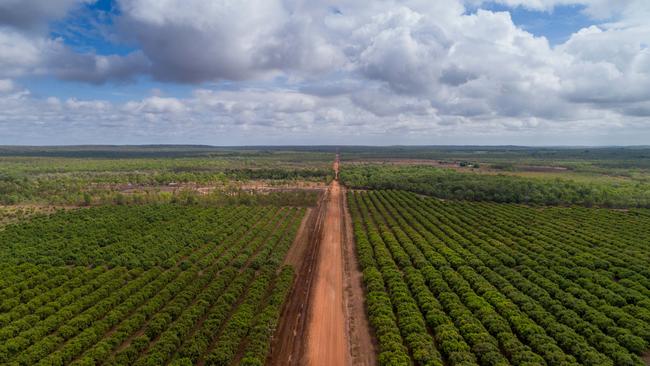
pixel 381 67
pixel 195 41
pixel 6 85
pixel 22 54
pixel 33 15
pixel 282 116
pixel 27 49
pixel 19 53
pixel 404 54
pixel 96 69
pixel 620 59
pixel 156 105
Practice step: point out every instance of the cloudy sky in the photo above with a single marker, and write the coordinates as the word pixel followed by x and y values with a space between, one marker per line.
pixel 221 72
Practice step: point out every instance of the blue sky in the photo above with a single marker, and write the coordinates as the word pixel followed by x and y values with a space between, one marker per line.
pixel 557 25
pixel 286 71
pixel 85 30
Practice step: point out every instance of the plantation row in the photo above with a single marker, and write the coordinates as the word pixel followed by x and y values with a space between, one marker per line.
pixel 218 303
pixel 131 236
pixel 452 283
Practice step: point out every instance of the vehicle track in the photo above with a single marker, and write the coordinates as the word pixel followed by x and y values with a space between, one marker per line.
pixel 327 339
pixel 288 344
pixel 324 321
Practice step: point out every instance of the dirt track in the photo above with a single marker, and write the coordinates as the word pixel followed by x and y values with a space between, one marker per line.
pixel 289 341
pixel 327 342
pixel 324 320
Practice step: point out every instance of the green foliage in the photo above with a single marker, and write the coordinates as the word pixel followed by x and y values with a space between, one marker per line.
pixel 200 282
pixel 601 160
pixel 449 184
pixel 501 284
pixel 113 175
pixel 119 235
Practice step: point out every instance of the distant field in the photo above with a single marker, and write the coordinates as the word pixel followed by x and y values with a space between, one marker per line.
pixel 596 159
pixel 495 284
pixel 607 164
pixel 144 285
pixel 90 175
pixel 78 176
pixel 537 188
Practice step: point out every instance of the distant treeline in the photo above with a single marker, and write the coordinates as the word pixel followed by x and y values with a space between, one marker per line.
pixel 449 184
pixel 591 159
pixel 74 180
pixel 162 151
pixel 65 189
pixel 575 157
pixel 436 152
pixel 628 153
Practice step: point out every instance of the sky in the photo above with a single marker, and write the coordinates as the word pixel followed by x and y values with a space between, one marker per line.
pixel 287 72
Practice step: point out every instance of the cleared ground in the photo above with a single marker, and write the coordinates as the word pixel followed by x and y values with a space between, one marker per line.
pixel 324 321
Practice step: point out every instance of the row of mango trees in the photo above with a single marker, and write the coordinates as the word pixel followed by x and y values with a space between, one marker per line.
pixel 492 284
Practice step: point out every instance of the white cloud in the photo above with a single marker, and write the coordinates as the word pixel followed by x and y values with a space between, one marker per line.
pixel 403 55
pixel 6 85
pixel 195 41
pixel 91 68
pixel 155 104
pixel 27 49
pixel 33 15
pixel 410 68
pixel 252 116
pixel 27 54
pixel 610 65
pixel 19 53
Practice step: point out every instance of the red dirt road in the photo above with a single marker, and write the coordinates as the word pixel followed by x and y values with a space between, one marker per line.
pixel 324 320
pixel 327 342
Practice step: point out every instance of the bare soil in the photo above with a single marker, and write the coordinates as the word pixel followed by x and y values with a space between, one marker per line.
pixel 327 342
pixel 455 165
pixel 260 186
pixel 324 321
pixel 398 161
pixel 289 341
pixel 300 245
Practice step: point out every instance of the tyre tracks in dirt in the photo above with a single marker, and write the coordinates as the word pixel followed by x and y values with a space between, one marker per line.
pixel 289 340
pixel 327 338
pixel 324 321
